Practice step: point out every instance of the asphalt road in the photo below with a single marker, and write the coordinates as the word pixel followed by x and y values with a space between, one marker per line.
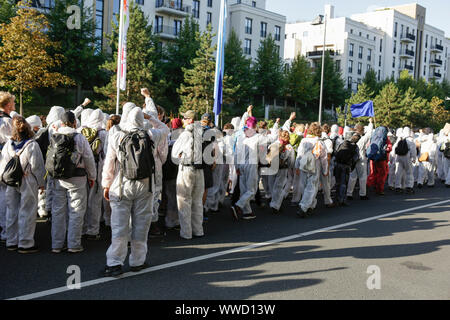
pixel 327 256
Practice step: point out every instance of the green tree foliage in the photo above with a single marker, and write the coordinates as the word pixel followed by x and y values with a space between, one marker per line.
pixel 7 10
pixel 140 67
pixel 300 86
pixel 197 93
pixel 268 70
pixel 82 58
pixel 387 107
pixel 363 94
pixel 238 68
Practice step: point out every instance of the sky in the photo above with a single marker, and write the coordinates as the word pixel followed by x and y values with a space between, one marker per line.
pixel 438 11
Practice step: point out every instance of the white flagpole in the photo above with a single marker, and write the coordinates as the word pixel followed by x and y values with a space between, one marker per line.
pixel 119 55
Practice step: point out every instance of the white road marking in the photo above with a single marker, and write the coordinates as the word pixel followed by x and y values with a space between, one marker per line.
pixel 221 253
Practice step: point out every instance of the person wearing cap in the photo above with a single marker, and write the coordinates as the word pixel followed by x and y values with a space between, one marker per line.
pixel 34 122
pixel 70 196
pixel 187 151
pixel 7 105
pixel 246 161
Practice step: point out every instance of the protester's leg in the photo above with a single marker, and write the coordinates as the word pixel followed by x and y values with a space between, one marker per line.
pixel 278 187
pixel 197 207
pixel 77 201
pixel 3 209
pixel 27 214
pixel 59 215
pixel 94 211
pixel 248 185
pixel 185 185
pixel 120 217
pixel 12 216
pixel 171 218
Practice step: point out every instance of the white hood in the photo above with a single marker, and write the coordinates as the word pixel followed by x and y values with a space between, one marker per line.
pixel 135 120
pixel 95 120
pixel 127 107
pixel 85 114
pixel 34 121
pixel 55 114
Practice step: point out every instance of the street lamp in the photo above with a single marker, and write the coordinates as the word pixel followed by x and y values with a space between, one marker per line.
pixel 318 21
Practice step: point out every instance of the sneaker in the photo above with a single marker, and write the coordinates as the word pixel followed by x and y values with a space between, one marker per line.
pixel 176 228
pixel 310 212
pixel 302 214
pixel 33 249
pixel 75 250
pixel 91 237
pixel 3 242
pixel 236 212
pixel 139 268
pixel 249 216
pixel 12 248
pixel 275 211
pixel 59 250
pixel 409 190
pixel 398 190
pixel 391 188
pixel 350 198
pixel 155 231
pixel 195 236
pixel 112 271
pixel 364 198
pixel 419 186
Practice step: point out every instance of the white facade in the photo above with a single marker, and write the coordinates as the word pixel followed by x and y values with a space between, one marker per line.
pixel 403 42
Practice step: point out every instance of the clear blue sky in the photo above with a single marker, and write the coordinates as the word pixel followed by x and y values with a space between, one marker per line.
pixel 438 11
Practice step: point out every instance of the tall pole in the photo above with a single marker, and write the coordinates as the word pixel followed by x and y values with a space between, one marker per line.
pixel 323 70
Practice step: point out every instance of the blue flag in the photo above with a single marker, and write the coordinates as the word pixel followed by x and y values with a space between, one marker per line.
pixel 364 109
pixel 220 61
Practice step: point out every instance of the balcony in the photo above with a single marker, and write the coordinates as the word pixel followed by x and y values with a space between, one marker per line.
pixel 436 63
pixel 167 32
pixel 435 75
pixel 408 38
pixel 407 54
pixel 173 8
pixel 318 54
pixel 437 48
pixel 407 67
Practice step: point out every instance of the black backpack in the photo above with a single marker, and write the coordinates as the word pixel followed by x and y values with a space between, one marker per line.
pixel 42 139
pixel 345 153
pixel 445 148
pixel 59 164
pixel 136 150
pixel 13 174
pixel 170 169
pixel 402 148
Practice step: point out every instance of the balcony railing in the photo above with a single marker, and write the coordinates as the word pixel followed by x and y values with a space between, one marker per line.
pixel 407 53
pixel 437 75
pixel 437 48
pixel 408 37
pixel 172 5
pixel 436 62
pixel 167 31
pixel 312 54
pixel 409 67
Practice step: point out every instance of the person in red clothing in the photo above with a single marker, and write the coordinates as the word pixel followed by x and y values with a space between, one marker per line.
pixel 379 170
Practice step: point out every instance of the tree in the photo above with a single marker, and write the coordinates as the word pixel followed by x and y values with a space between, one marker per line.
pixel 140 68
pixel 77 45
pixel 268 70
pixel 238 68
pixel 439 115
pixel 198 91
pixel 7 10
pixel 334 92
pixel 370 80
pixel 179 54
pixel 300 86
pixel 387 106
pixel 25 62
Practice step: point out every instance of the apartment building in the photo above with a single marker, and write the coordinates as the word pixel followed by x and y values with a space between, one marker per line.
pixel 395 39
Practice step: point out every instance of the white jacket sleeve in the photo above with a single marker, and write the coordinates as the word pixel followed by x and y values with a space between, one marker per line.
pixel 87 156
pixel 36 162
pixel 109 165
pixel 287 126
pixel 243 120
pixel 150 107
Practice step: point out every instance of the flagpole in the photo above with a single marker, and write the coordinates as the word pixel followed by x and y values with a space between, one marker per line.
pixel 220 57
pixel 119 55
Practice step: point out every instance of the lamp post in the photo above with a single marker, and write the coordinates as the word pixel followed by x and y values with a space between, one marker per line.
pixel 318 21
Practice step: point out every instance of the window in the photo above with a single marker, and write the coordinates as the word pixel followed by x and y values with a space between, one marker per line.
pixel 426 41
pixel 379 75
pixel 209 3
pixel 248 25
pixel 264 30
pixel 395 46
pixel 360 52
pixel 367 36
pixel 99 22
pixel 159 24
pixel 379 61
pixel 350 53
pixel 360 33
pixel 196 9
pixel 351 31
pixel 349 82
pixel 208 18
pixel 338 65
pixel 369 54
pixel 177 25
pixel 278 49
pixel 381 45
pixel 393 62
pixel 277 33
pixel 401 33
pixel 425 56
pixel 141 2
pixel 369 67
pixel 248 47
pixel 254 4
pixel 395 29
pixel 359 68
pixel 350 66
pixel 424 70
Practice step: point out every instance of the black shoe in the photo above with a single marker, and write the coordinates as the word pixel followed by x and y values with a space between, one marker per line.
pixel 155 231
pixel 176 228
pixel 3 242
pixel 114 271
pixel 419 186
pixel 391 188
pixel 236 212
pixel 409 190
pixel 40 219
pixel 249 216
pixel 364 198
pixel 12 248
pixel 33 249
pixel 398 190
pixel 302 214
pixel 447 185
pixel 91 237
pixel 349 198
pixel 275 211
pixel 139 268
pixel 194 236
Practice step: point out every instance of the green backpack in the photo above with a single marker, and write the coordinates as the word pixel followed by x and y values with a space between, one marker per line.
pixel 94 141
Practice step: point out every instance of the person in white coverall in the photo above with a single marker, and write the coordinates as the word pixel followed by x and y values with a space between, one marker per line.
pixel 70 195
pixel 313 148
pixel 187 151
pixel 7 105
pixel 404 177
pixel 22 201
pixel 91 228
pixel 427 167
pixel 129 198
pixel 325 181
pixel 360 171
